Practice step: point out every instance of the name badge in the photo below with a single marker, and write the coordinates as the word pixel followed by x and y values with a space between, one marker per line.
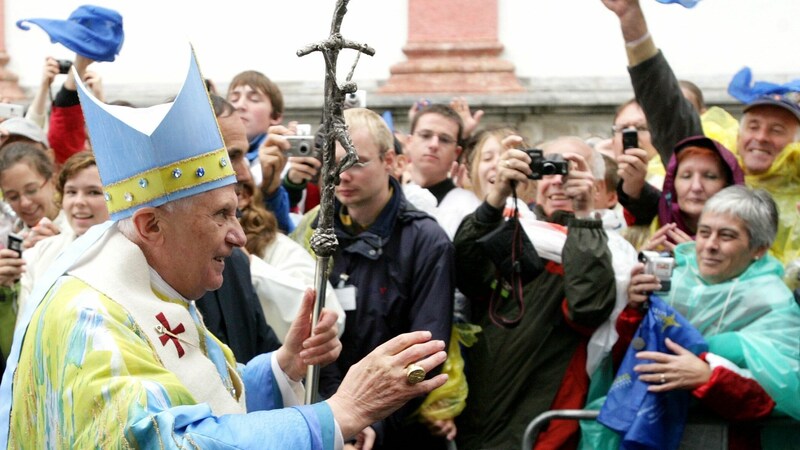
pixel 347 297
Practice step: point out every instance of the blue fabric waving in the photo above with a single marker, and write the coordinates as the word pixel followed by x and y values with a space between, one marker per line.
pixel 684 3
pixel 646 419
pixel 745 90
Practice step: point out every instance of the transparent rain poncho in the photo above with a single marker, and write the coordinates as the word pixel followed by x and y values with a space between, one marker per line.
pixel 751 320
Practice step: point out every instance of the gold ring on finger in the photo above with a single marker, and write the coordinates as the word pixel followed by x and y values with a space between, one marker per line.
pixel 414 373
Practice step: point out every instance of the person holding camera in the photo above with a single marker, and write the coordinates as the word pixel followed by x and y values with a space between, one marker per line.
pixel 27 183
pixel 698 168
pixel 259 104
pixel 766 140
pixel 531 355
pixel 728 287
pixel 630 130
pixel 276 270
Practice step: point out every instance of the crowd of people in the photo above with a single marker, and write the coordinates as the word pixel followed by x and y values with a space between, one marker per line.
pixel 480 280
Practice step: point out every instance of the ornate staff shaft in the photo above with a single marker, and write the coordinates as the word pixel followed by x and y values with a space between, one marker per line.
pixel 323 241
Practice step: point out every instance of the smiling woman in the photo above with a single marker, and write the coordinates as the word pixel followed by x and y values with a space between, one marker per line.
pixel 26 181
pixel 699 168
pixel 81 194
pixel 728 287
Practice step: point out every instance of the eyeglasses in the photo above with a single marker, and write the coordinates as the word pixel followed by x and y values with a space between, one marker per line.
pixel 618 128
pixel 427 135
pixel 29 193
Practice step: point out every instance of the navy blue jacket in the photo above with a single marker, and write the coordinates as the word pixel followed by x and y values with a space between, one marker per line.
pixel 403 269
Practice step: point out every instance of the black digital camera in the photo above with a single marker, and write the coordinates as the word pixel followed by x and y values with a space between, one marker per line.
pixel 554 164
pixel 630 138
pixel 64 65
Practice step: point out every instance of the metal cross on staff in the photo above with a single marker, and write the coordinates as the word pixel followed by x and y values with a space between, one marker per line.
pixel 323 241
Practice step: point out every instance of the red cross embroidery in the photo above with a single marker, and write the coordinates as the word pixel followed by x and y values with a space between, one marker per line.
pixel 171 334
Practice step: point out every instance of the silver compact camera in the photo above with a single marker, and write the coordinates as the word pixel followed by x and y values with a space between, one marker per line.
pixel 303 143
pixel 300 145
pixel 658 265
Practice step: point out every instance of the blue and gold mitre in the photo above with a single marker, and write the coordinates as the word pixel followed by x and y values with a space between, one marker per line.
pixel 151 156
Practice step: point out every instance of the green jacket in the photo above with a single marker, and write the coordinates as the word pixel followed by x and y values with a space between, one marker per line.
pixel 514 374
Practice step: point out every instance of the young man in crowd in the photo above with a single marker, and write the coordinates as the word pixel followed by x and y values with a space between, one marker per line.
pixel 433 146
pixel 393 269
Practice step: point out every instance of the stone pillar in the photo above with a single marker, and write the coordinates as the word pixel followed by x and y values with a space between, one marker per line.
pixel 452 47
pixel 9 82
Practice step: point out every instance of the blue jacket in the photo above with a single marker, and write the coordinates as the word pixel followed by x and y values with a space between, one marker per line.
pixel 403 270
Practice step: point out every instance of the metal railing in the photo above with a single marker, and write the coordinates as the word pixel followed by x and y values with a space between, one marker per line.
pixel 704 431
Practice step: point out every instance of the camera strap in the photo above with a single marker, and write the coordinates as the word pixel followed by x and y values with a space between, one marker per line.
pixel 514 288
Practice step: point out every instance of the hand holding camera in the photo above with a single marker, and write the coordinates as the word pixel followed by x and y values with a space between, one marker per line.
pixel 11 263
pixel 630 139
pixel 579 185
pixel 641 286
pixel 512 168
pixel 272 157
pixel 632 169
pixel 553 164
pixel 64 65
pixel 302 143
pixel 304 154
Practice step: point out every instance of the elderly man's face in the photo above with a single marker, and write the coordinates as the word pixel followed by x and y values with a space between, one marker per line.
pixel 550 193
pixel 764 132
pixel 198 236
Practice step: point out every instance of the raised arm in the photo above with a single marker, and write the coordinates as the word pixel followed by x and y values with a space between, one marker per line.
pixel 670 116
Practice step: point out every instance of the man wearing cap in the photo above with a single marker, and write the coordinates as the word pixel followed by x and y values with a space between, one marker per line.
pixel 766 142
pixel 112 353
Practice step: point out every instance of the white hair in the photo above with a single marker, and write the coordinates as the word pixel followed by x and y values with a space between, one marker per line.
pixel 595 161
pixel 754 207
pixel 128 229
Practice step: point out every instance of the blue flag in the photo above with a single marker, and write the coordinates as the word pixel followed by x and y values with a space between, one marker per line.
pixel 646 419
pixel 684 3
pixel 745 90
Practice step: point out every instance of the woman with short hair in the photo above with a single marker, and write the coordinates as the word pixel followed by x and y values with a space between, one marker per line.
pixel 731 290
